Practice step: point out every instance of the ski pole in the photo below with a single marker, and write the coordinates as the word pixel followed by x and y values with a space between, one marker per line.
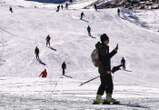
pixel 89 80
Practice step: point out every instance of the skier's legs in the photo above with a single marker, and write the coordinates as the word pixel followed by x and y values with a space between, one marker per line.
pixel 103 85
pixel 101 89
pixel 49 44
pixel 37 57
pixel 110 87
pixel 109 83
pixel 63 71
pixel 89 33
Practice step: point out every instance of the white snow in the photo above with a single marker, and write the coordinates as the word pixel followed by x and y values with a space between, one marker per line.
pixel 27 27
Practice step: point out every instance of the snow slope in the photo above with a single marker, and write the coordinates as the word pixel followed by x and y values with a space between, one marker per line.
pixel 26 28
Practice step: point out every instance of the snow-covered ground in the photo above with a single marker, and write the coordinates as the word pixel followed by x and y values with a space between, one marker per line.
pixel 27 27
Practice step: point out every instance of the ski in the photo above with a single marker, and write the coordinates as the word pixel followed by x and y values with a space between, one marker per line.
pixel 127 70
pixel 132 105
pixel 67 76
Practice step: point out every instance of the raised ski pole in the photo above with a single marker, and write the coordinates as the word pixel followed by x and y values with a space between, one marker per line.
pixel 89 80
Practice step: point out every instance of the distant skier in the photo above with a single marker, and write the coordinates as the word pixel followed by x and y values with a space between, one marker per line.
pixel 63 68
pixel 89 30
pixel 95 7
pixel 11 9
pixel 118 11
pixel 123 61
pixel 58 8
pixel 43 74
pixel 62 7
pixel 37 53
pixel 48 41
pixel 82 15
pixel 66 5
pixel 116 68
pixel 104 69
pixel 70 1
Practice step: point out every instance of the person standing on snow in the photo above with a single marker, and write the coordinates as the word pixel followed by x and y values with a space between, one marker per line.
pixel 70 1
pixel 95 7
pixel 37 53
pixel 118 11
pixel 66 5
pixel 62 7
pixel 89 30
pixel 58 8
pixel 63 66
pixel 43 74
pixel 48 40
pixel 123 61
pixel 82 15
pixel 11 9
pixel 104 69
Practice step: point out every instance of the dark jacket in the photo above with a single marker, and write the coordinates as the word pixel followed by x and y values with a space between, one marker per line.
pixel 63 65
pixel 105 57
pixel 36 50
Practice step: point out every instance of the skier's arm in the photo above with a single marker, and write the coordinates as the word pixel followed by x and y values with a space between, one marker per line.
pixel 113 52
pixel 116 68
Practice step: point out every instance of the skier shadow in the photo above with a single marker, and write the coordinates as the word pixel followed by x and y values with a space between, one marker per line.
pixel 84 20
pixel 52 48
pixel 41 62
pixel 92 36
pixel 67 76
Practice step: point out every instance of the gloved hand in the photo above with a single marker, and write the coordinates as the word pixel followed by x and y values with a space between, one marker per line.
pixel 116 68
pixel 116 48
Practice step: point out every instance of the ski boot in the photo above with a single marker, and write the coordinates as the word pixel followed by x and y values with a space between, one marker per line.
pixel 112 101
pixel 98 100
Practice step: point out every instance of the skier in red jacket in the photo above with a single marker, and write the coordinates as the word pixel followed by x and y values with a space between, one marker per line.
pixel 43 74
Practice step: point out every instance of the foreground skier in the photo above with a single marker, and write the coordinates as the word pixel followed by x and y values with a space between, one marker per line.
pixel 104 69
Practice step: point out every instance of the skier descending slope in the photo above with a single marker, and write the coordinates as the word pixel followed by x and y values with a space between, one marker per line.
pixel 43 74
pixel 58 8
pixel 82 15
pixel 89 31
pixel 118 11
pixel 37 53
pixel 104 68
pixel 48 41
pixel 95 7
pixel 11 9
pixel 63 66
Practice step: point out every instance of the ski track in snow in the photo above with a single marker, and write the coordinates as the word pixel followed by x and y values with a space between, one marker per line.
pixel 19 95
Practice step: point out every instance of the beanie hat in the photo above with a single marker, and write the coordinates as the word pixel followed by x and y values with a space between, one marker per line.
pixel 104 37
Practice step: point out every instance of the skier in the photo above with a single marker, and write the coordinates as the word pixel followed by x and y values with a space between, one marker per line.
pixel 118 11
pixel 62 7
pixel 104 69
pixel 95 7
pixel 89 30
pixel 70 1
pixel 66 5
pixel 48 41
pixel 82 15
pixel 63 68
pixel 37 53
pixel 43 74
pixel 10 9
pixel 58 8
pixel 123 61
